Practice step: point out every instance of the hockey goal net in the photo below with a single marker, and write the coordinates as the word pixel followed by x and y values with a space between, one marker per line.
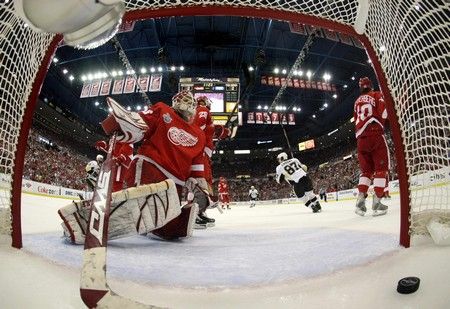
pixel 407 41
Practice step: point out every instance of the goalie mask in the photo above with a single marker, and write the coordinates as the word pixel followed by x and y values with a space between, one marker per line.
pixel 204 101
pixel 282 157
pixel 184 103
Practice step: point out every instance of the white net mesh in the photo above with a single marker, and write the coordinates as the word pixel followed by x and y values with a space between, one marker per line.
pixel 21 51
pixel 412 41
pixel 410 37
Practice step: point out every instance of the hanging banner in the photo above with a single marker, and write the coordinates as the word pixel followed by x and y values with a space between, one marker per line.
pixel 143 82
pixel 291 119
pixel 275 118
pixel 95 89
pixel 283 119
pixel 155 83
pixel 259 117
pixel 263 80
pixel 85 90
pixel 130 84
pixel 251 117
pixel 118 86
pixel 266 118
pixel 106 86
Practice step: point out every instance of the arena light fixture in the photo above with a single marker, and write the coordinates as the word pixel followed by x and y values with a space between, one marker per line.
pixel 152 69
pixel 314 116
pixel 181 68
pixel 335 96
pixel 90 76
pixel 325 105
pixel 284 71
pixel 128 108
pixel 242 151
pixel 173 68
pixel 276 70
pixel 120 73
pixel 259 107
pixel 326 77
pixel 71 77
pixel 65 71
pixel 113 73
pixel 86 24
pixel 96 103
pixel 266 107
pixel 83 78
pixel 160 69
pixel 353 78
pixel 309 74
pixel 345 86
pixel 138 107
pixel 251 69
pixel 55 60
pixel 300 73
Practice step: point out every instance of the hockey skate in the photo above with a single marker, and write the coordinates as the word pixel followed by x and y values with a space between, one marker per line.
pixel 210 222
pixel 378 208
pixel 316 207
pixel 361 205
pixel 200 224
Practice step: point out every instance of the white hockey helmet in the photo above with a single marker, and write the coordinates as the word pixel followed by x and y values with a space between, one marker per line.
pixel 282 157
pixel 99 158
pixel 184 103
pixel 252 187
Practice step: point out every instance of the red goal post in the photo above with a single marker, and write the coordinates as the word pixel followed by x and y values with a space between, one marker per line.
pixel 406 40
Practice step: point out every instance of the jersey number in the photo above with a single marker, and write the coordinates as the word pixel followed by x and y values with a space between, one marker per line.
pixel 364 111
pixel 292 167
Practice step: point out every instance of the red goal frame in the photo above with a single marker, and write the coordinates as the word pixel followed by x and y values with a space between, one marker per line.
pixel 219 11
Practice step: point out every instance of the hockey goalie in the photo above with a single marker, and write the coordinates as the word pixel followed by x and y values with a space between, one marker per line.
pixel 170 156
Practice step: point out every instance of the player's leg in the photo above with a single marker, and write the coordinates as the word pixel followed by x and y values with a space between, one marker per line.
pixel 380 157
pixel 366 169
pixel 304 190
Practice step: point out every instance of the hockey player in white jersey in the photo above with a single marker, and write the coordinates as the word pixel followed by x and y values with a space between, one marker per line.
pixel 92 170
pixel 293 172
pixel 253 194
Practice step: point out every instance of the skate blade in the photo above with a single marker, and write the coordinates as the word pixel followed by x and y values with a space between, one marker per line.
pixel 377 213
pixel 360 212
pixel 200 226
pixel 211 224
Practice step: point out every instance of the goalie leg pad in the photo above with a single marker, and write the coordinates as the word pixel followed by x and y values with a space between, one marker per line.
pixel 181 226
pixel 143 209
pixel 75 218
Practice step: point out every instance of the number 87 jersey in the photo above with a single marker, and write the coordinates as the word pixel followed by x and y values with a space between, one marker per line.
pixel 370 109
pixel 290 170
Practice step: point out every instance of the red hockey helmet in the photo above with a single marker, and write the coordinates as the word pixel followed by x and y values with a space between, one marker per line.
pixel 365 83
pixel 204 101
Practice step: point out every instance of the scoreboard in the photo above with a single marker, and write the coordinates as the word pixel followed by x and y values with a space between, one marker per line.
pixel 223 93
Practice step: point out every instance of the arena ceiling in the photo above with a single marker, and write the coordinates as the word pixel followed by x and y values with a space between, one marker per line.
pixel 218 46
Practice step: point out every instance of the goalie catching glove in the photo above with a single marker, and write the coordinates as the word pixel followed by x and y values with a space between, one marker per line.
pixel 136 210
pixel 130 124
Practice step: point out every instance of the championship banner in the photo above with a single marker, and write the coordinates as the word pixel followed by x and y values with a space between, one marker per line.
pixel 263 80
pixel 270 80
pixel 130 84
pixel 276 81
pixel 155 83
pixel 118 86
pixel 291 119
pixel 95 89
pixel 275 118
pixel 106 86
pixel 259 117
pixel 283 119
pixel 143 82
pixel 296 83
pixel 85 90
pixel 251 117
pixel 266 118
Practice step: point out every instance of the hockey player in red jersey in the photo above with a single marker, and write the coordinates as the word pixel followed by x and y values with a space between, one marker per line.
pixel 172 147
pixel 224 196
pixel 204 121
pixel 373 155
pixel 123 154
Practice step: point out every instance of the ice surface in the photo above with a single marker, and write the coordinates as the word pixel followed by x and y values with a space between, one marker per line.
pixel 266 257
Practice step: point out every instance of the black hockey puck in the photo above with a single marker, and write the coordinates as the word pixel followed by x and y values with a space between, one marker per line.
pixel 408 285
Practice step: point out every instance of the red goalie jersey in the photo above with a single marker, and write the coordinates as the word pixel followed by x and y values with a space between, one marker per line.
pixel 171 144
pixel 370 114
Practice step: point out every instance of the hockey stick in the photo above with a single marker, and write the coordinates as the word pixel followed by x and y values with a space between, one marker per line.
pixel 94 289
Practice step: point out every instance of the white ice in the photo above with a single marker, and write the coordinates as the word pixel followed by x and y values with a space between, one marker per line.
pixel 270 256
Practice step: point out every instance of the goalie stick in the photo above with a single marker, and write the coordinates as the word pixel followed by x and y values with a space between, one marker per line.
pixel 94 289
